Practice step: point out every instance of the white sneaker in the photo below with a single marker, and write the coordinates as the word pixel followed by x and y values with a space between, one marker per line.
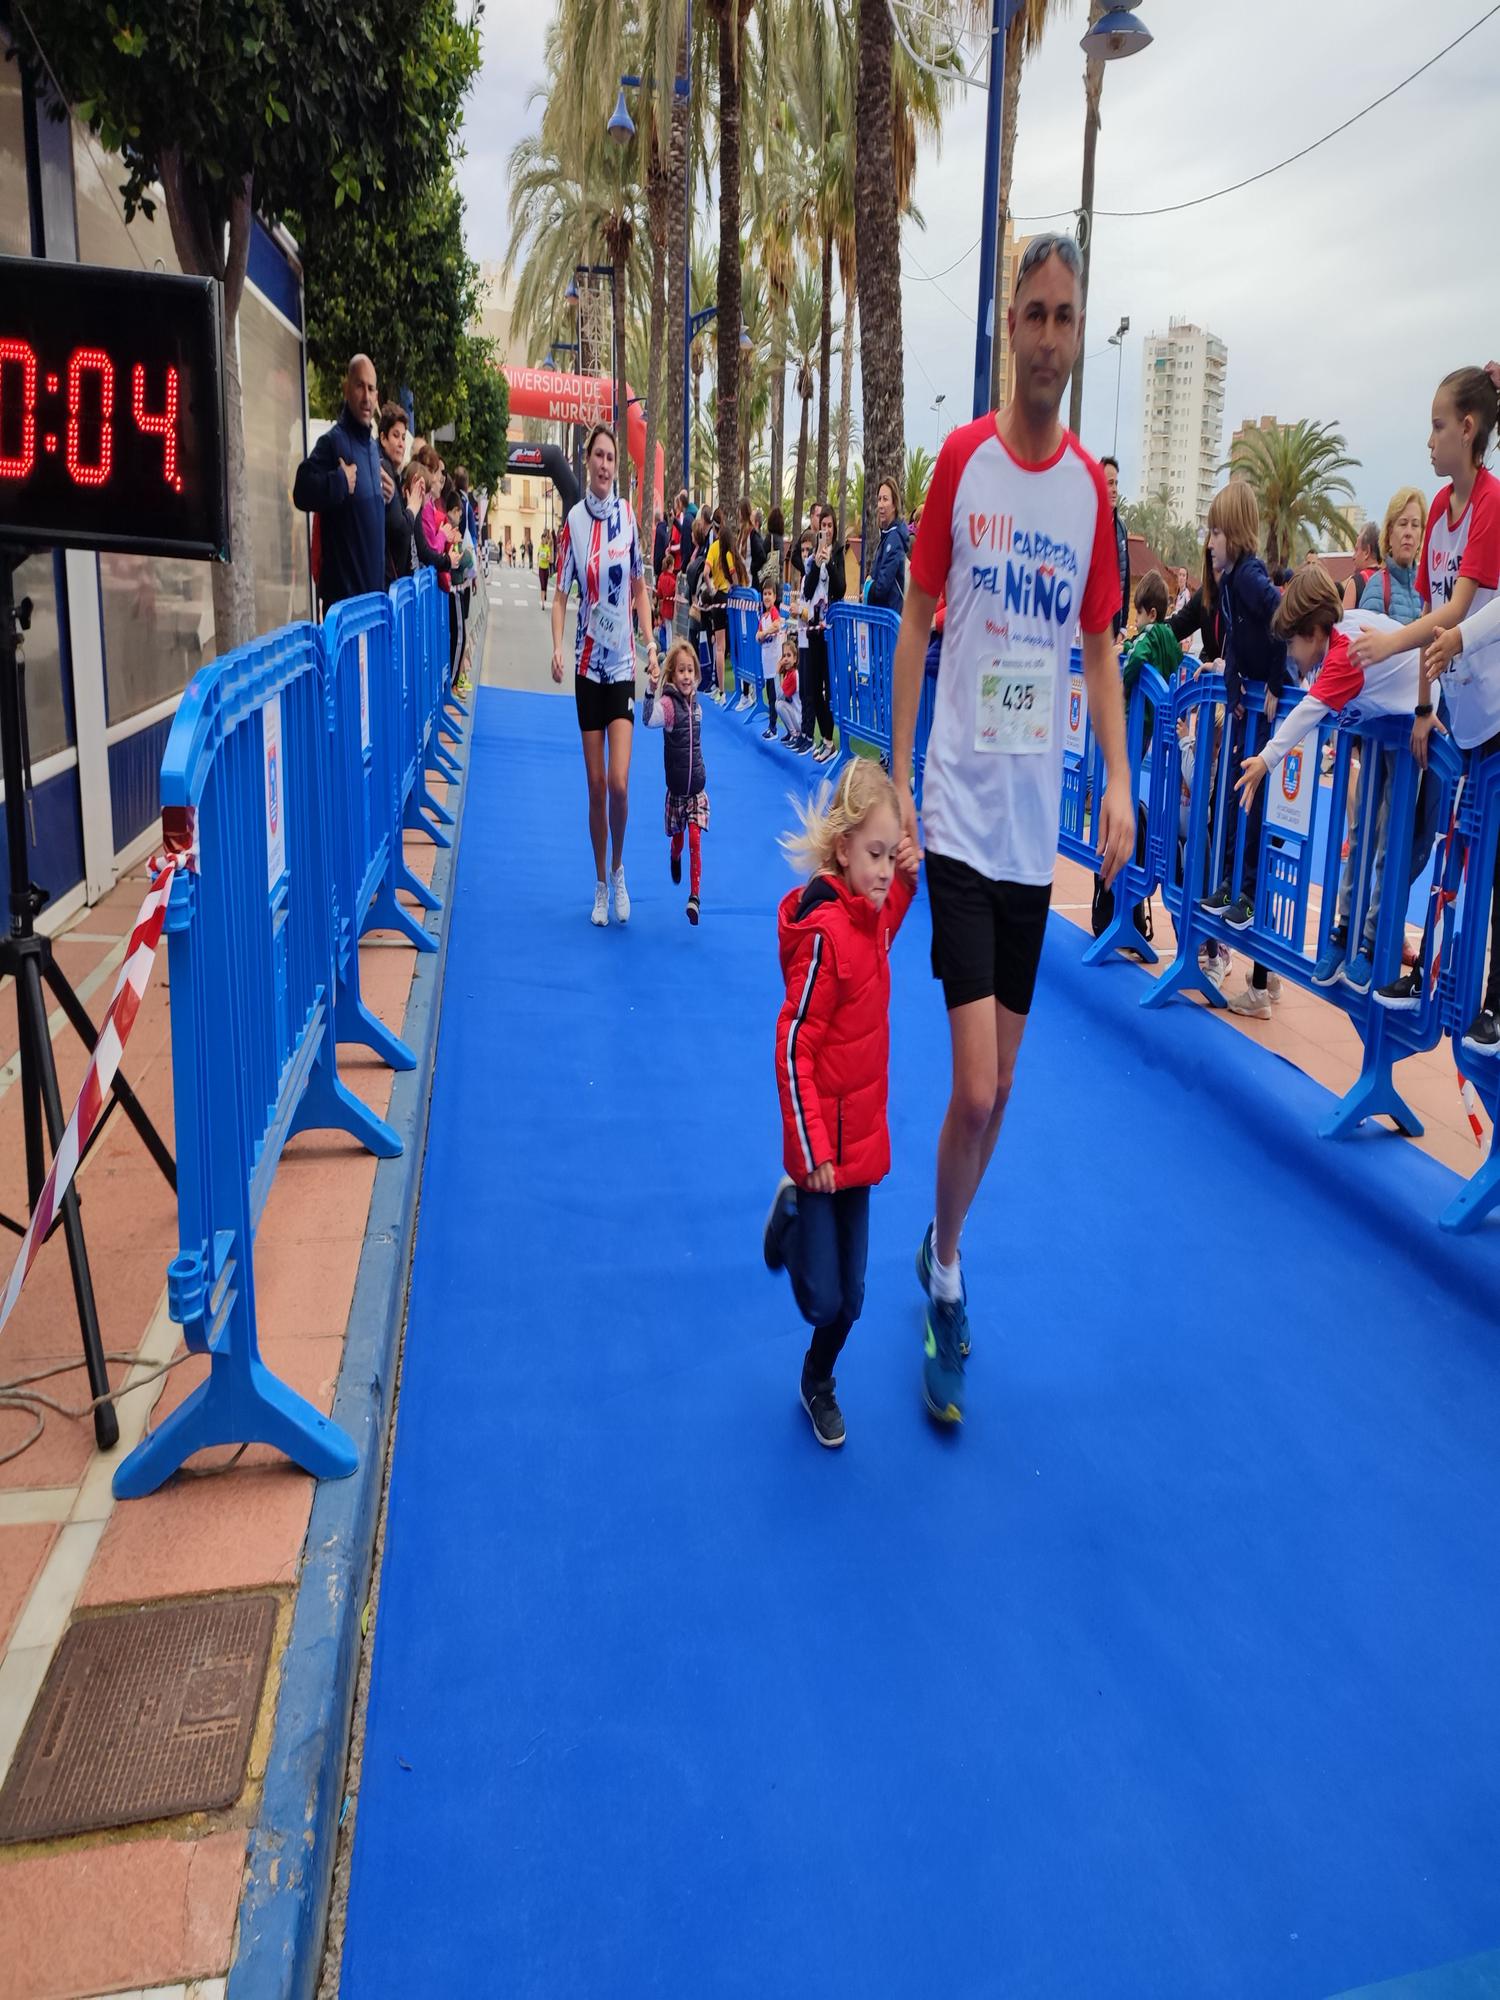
pixel 600 912
pixel 1273 985
pixel 622 897
pixel 1252 1002
pixel 1214 969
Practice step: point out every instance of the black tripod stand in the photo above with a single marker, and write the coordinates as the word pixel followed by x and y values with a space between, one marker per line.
pixel 28 959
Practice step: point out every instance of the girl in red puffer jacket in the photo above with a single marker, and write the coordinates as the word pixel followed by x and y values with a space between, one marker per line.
pixel 832 1057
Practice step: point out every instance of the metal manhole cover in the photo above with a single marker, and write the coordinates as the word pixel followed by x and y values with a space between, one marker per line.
pixel 143 1714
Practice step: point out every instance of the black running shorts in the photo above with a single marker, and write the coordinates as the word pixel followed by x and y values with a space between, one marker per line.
pixel 602 702
pixel 986 936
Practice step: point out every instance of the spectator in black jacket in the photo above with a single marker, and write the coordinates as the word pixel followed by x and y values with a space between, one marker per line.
pixel 1111 469
pixel 344 482
pixel 393 434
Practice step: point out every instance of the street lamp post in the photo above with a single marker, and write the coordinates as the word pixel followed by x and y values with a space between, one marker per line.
pixel 984 337
pixel 623 132
pixel 1112 34
pixel 937 405
pixel 1117 342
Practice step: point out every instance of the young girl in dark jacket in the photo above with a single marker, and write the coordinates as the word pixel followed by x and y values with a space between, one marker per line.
pixel 832 1059
pixel 672 707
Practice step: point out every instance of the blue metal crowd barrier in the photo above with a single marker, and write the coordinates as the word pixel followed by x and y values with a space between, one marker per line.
pixel 1276 856
pixel 364 703
pixel 252 955
pixel 1469 882
pixel 1084 778
pixel 292 766
pixel 861 660
pixel 743 619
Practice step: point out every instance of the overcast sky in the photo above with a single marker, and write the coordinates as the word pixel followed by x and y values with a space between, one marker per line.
pixel 1344 286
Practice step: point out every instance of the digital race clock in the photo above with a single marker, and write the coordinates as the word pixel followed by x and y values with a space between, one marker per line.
pixel 111 410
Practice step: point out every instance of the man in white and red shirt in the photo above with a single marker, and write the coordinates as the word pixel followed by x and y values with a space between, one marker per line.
pixel 1018 533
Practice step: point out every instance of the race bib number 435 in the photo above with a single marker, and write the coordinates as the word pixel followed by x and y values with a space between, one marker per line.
pixel 1013 708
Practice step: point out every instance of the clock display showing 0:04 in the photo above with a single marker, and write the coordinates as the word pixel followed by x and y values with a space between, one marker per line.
pixel 88 439
pixel 111 410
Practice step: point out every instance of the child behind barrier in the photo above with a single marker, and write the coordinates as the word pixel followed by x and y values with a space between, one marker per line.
pixel 789 697
pixel 833 1058
pixel 666 602
pixel 1155 645
pixel 672 706
pixel 768 635
pixel 1318 631
pixel 1248 602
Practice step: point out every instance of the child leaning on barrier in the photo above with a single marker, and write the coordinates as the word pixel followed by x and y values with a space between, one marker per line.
pixel 768 636
pixel 789 698
pixel 672 706
pixel 833 1058
pixel 1318 632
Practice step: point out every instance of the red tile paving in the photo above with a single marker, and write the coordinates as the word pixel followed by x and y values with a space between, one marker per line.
pixel 23 1550
pixel 118 1916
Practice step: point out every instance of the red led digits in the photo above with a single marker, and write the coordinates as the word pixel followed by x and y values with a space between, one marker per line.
pixel 15 354
pixel 163 425
pixel 90 361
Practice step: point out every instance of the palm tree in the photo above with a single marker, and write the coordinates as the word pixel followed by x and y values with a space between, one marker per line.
pixel 1297 473
pixel 806 333
pixel 730 16
pixel 704 272
pixel 916 478
pixel 878 241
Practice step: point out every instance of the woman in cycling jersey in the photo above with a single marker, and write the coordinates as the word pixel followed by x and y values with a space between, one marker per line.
pixel 600 551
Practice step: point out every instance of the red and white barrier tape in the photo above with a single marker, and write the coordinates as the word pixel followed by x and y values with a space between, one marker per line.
pixel 125 1004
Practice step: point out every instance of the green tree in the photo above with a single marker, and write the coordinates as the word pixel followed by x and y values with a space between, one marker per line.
pixel 397 288
pixel 235 106
pixel 916 477
pixel 806 334
pixel 479 410
pixel 1298 475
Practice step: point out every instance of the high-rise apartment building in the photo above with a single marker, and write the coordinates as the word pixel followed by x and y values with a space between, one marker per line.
pixel 1012 251
pixel 1182 418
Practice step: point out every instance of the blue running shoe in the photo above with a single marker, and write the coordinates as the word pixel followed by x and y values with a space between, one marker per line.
pixel 1331 962
pixel 1358 971
pixel 943 1361
pixel 783 1209
pixel 925 1254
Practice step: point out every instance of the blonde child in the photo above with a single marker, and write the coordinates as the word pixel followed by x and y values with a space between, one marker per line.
pixel 832 1057
pixel 672 707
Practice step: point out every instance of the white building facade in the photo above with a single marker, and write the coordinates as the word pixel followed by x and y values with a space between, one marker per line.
pixel 1182 424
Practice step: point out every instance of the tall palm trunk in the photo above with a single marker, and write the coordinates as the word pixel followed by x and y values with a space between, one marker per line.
pixel 617 254
pixel 1009 112
pixel 729 256
pixel 846 393
pixel 877 236
pixel 656 211
pixel 825 366
pixel 778 398
pixel 794 526
pixel 678 305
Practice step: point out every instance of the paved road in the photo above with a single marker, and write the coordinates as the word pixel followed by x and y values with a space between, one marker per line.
pixel 518 651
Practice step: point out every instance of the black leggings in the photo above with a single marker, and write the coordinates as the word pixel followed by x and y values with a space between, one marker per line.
pixel 825 1249
pixel 815 702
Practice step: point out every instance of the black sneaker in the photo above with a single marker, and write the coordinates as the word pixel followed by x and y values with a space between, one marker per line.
pixel 692 909
pixel 1482 1036
pixel 821 1405
pixel 783 1208
pixel 1240 914
pixel 1403 994
pixel 676 865
pixel 1219 900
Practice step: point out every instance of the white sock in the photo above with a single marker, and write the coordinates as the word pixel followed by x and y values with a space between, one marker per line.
pixel 947 1284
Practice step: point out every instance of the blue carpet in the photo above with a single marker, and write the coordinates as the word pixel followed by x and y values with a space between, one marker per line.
pixel 1173 1674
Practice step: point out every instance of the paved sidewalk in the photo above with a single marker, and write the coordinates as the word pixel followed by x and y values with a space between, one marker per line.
pixel 1317 1036
pixel 153 1907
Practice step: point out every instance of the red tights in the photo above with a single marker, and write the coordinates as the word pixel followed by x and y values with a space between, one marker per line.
pixel 695 855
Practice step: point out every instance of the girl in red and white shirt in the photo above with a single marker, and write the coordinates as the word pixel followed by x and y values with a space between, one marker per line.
pixel 1459 575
